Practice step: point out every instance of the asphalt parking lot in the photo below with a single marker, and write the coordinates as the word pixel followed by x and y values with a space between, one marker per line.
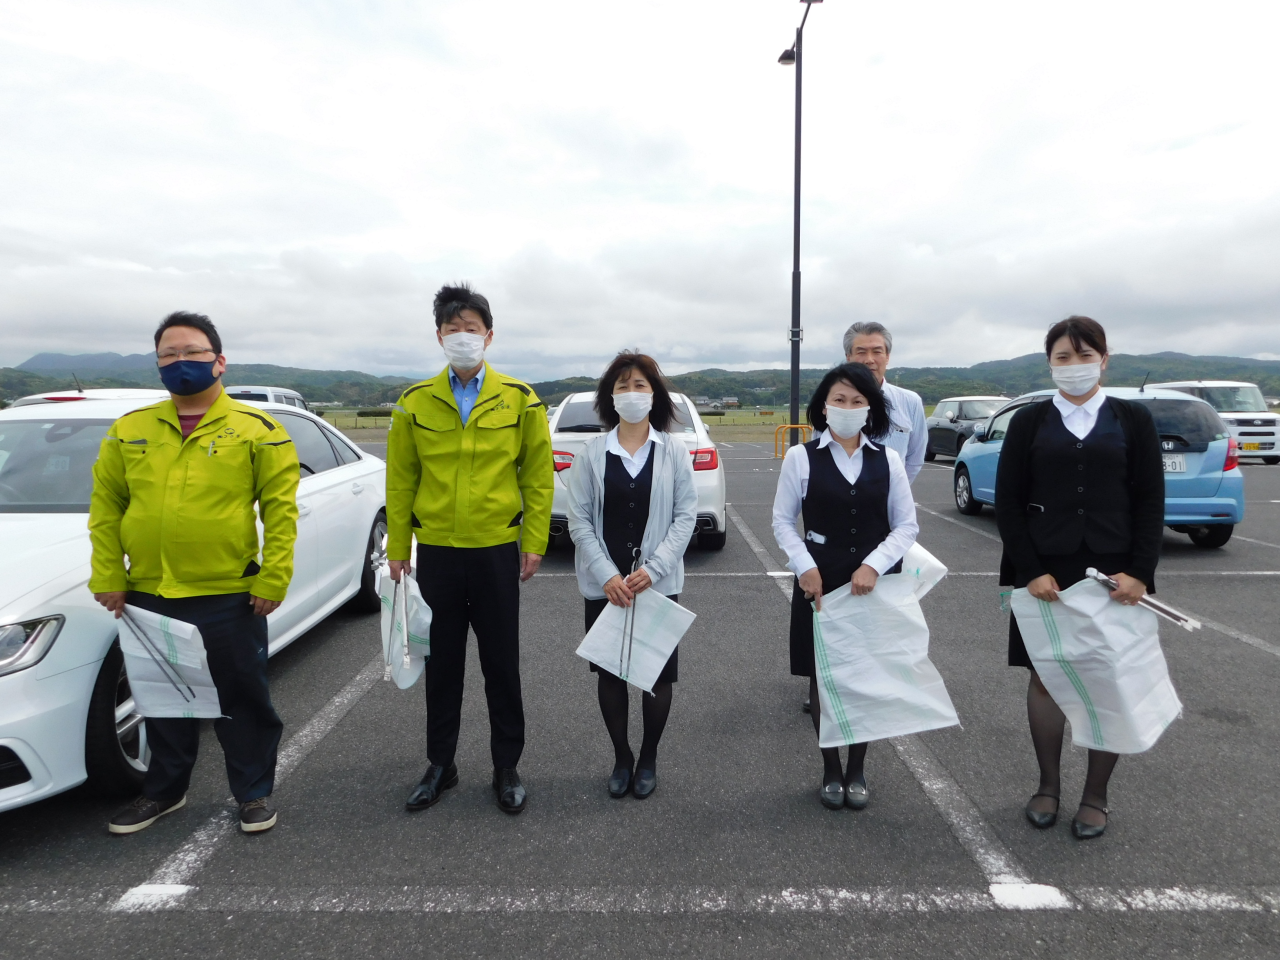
pixel 733 855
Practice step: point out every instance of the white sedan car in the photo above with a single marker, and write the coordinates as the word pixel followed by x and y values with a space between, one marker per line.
pixel 66 713
pixel 575 422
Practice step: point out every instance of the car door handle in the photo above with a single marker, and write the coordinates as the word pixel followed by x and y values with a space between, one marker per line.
pixel 303 510
pixel 357 488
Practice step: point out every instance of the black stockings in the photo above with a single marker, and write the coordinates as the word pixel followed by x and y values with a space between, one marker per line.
pixel 831 772
pixel 1048 724
pixel 654 708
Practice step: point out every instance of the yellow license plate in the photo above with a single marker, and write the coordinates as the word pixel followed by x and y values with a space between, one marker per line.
pixel 1250 446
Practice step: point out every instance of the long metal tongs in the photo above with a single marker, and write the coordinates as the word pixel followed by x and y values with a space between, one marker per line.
pixel 395 600
pixel 628 626
pixel 169 670
pixel 404 610
pixel 1151 603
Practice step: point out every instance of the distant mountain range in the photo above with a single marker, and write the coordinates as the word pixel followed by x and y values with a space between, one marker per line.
pixel 53 371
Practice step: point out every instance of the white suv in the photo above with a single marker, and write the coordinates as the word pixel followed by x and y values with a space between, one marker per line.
pixel 1244 411
pixel 575 422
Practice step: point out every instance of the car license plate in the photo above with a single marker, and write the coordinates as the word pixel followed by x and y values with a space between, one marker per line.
pixel 1247 446
pixel 1175 463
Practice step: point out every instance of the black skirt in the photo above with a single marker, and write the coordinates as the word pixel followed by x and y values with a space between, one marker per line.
pixel 670 673
pixel 1067 570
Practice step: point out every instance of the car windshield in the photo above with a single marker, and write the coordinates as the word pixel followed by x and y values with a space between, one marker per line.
pixel 46 466
pixel 1242 399
pixel 979 409
pixel 579 416
pixel 1185 420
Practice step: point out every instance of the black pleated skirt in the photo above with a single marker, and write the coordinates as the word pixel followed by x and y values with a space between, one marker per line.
pixel 670 673
pixel 1067 570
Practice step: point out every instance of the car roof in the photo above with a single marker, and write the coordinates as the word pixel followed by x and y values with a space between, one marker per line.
pixel 95 408
pixel 1126 393
pixel 241 388
pixel 975 397
pixel 1203 383
pixel 146 395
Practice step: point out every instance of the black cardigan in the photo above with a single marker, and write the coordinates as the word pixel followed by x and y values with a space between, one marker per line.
pixel 1146 489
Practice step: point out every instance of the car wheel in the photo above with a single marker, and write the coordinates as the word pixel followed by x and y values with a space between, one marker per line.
pixel 965 501
pixel 1271 460
pixel 929 455
pixel 712 539
pixel 116 754
pixel 366 599
pixel 1210 537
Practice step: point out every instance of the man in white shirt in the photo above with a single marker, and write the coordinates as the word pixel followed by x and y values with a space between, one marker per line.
pixel 870 344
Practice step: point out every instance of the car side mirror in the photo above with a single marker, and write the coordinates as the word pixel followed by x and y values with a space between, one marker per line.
pixel 980 432
pixel 951 415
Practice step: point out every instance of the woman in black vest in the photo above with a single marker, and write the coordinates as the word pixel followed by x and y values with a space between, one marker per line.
pixel 632 504
pixel 859 521
pixel 1080 484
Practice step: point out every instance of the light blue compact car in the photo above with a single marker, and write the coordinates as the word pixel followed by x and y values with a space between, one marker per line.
pixel 1203 485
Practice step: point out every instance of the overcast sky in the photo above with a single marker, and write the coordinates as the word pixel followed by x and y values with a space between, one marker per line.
pixel 619 174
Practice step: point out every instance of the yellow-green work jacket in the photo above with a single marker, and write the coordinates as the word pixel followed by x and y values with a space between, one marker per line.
pixel 478 484
pixel 182 512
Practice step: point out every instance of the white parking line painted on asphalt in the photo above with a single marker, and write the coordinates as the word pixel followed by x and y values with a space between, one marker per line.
pixel 241 898
pixel 1235 634
pixel 169 885
pixel 1261 543
pixel 763 555
pixel 959 523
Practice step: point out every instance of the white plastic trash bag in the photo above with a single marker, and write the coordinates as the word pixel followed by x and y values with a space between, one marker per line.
pixel 924 568
pixel 636 642
pixel 1101 662
pixel 406 628
pixel 875 679
pixel 167 666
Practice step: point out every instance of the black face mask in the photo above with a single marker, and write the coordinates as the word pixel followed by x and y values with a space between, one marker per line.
pixel 187 377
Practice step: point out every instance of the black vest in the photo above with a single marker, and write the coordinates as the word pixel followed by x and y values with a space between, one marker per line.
pixel 1079 491
pixel 626 509
pixel 852 520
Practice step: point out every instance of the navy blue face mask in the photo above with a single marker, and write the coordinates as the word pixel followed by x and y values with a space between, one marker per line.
pixel 187 377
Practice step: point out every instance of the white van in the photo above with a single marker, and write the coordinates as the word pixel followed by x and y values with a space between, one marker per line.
pixel 1242 408
pixel 268 395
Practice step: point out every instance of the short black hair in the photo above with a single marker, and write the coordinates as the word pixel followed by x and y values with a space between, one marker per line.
pixel 861 378
pixel 452 300
pixel 1079 330
pixel 663 411
pixel 196 321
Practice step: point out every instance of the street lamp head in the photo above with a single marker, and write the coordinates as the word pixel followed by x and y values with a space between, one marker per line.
pixel 788 58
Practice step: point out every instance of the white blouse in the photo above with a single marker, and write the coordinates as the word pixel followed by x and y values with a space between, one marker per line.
pixel 793 484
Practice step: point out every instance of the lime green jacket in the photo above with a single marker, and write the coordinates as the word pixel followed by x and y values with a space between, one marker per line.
pixel 477 484
pixel 182 512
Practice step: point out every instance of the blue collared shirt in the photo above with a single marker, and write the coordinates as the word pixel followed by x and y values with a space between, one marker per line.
pixel 466 396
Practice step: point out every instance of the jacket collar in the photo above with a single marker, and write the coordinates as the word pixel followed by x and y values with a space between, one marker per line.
pixel 168 412
pixel 489 388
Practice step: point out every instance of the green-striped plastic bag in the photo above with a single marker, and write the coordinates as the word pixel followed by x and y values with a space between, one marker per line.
pixel 167 666
pixel 406 628
pixel 875 679
pixel 1101 662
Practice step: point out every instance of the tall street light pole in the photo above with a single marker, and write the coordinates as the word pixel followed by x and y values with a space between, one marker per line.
pixel 794 56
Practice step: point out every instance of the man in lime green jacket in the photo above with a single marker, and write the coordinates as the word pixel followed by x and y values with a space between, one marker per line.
pixel 174 490
pixel 469 475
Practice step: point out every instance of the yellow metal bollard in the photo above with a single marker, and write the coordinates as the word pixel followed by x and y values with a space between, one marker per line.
pixel 779 445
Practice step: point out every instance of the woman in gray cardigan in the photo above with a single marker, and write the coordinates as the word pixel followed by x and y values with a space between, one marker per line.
pixel 632 511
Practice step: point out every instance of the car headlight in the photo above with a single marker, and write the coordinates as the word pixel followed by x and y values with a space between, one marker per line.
pixel 24 645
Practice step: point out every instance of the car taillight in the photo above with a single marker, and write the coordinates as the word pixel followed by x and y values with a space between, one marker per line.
pixel 561 460
pixel 1233 455
pixel 705 459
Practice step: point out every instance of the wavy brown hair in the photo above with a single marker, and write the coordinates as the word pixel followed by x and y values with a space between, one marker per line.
pixel 664 408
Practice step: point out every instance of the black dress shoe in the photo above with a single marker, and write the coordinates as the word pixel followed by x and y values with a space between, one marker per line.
pixel 620 782
pixel 1041 819
pixel 511 793
pixel 856 795
pixel 832 795
pixel 646 783
pixel 1087 831
pixel 434 783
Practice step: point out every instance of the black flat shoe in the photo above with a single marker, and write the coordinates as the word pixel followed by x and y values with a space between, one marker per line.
pixel 511 793
pixel 856 795
pixel 1087 831
pixel 832 795
pixel 434 783
pixel 620 782
pixel 646 783
pixel 1040 819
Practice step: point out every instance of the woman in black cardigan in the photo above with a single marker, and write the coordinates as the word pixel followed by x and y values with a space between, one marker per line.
pixel 1080 484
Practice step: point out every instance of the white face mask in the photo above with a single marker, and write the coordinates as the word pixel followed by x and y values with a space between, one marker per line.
pixel 846 423
pixel 633 407
pixel 464 350
pixel 1077 379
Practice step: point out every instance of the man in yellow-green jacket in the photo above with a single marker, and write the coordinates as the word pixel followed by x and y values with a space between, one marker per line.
pixel 174 491
pixel 469 475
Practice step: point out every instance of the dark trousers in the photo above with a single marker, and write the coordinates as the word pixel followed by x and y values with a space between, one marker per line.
pixel 249 729
pixel 477 587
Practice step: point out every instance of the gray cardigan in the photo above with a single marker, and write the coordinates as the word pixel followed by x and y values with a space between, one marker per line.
pixel 673 509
